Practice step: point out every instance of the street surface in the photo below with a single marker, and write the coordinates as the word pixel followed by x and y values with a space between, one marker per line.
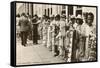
pixel 34 54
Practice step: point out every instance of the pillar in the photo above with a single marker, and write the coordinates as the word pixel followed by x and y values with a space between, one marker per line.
pixel 31 9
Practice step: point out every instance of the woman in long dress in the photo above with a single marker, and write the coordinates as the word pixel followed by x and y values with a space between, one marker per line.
pixel 35 29
pixel 45 31
pixel 80 43
pixel 56 32
pixel 61 36
pixel 90 34
pixel 50 32
pixel 71 41
pixel 52 24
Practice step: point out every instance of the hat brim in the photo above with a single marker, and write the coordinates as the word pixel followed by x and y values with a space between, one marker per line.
pixel 79 18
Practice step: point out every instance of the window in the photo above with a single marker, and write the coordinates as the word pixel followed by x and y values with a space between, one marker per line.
pixel 70 10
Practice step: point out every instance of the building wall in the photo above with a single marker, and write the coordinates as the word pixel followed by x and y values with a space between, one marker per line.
pixel 20 9
pixel 44 9
pixel 40 9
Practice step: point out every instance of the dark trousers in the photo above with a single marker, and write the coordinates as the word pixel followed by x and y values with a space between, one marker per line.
pixel 30 35
pixel 35 39
pixel 24 35
pixel 56 50
pixel 35 36
pixel 74 46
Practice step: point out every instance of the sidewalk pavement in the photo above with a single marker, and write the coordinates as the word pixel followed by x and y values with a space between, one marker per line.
pixel 34 54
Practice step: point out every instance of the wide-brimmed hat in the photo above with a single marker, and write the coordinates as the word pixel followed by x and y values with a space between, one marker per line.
pixel 63 16
pixel 79 16
pixel 72 17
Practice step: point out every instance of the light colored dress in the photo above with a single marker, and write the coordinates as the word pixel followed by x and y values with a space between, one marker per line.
pixel 92 45
pixel 45 31
pixel 40 29
pixel 69 44
pixel 61 38
pixel 49 38
pixel 90 33
pixel 52 24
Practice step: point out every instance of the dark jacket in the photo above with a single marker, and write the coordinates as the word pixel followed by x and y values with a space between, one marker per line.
pixel 24 24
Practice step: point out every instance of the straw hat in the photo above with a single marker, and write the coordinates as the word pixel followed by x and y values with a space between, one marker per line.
pixel 72 16
pixel 63 16
pixel 79 16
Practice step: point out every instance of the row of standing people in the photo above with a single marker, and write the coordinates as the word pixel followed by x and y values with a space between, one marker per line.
pixel 73 40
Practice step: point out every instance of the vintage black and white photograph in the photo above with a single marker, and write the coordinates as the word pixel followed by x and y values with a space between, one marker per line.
pixel 55 33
